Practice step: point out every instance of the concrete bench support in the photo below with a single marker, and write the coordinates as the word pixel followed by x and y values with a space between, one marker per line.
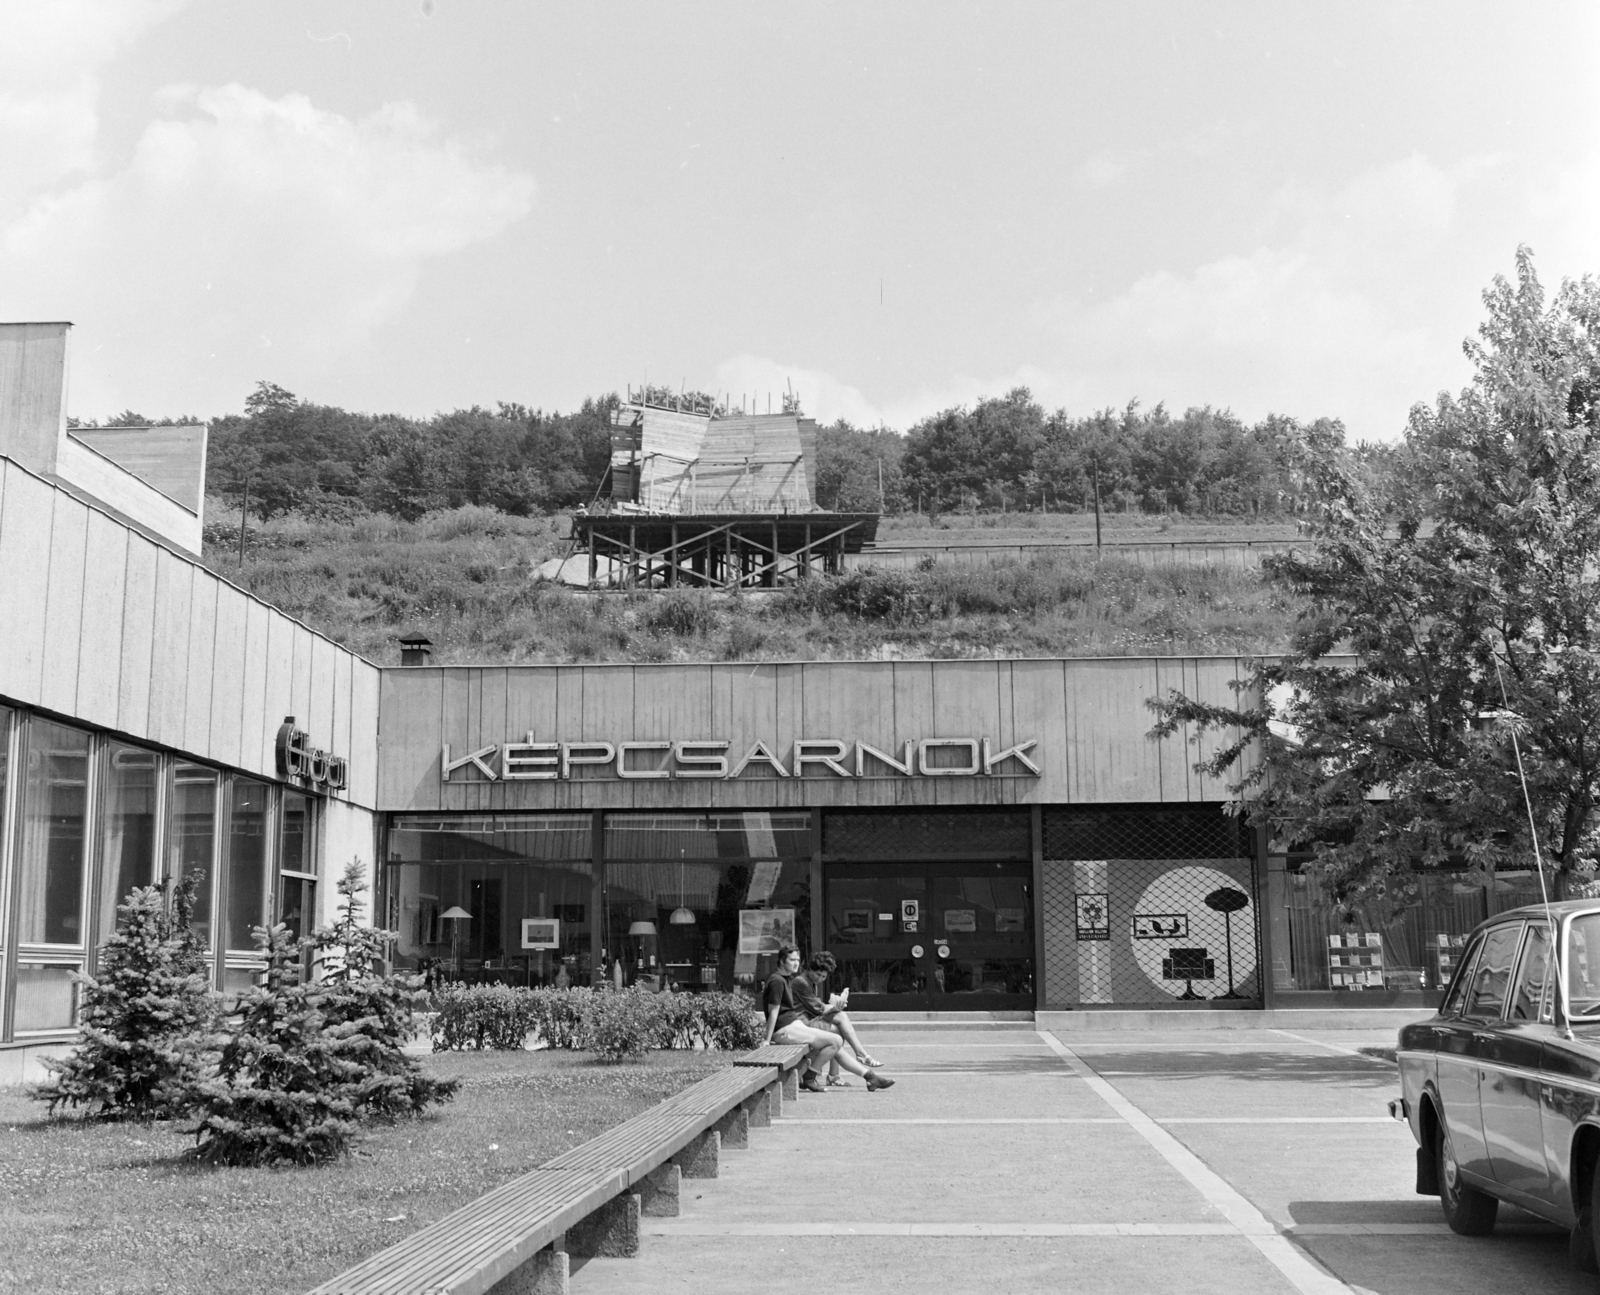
pixel 775 1099
pixel 545 1274
pixel 735 1128
pixel 791 1084
pixel 611 1232
pixel 658 1192
pixel 758 1110
pixel 699 1159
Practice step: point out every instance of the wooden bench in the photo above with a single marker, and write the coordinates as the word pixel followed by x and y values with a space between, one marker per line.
pixel 520 1238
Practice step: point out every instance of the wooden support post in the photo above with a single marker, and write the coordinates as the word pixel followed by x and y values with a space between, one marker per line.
pixel 770 578
pixel 594 564
pixel 672 569
pixel 633 556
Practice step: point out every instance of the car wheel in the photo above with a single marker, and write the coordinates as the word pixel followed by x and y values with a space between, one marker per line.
pixel 1467 1210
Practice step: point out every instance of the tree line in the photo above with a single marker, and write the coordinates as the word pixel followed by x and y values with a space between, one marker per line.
pixel 1003 454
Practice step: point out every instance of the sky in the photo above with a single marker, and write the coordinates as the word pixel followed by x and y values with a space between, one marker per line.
pixel 891 208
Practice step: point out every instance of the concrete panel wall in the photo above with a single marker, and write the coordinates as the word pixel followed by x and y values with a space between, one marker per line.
pixel 1088 718
pixel 126 493
pixel 104 626
pixel 33 388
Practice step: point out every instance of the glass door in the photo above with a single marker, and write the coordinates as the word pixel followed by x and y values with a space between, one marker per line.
pixel 932 937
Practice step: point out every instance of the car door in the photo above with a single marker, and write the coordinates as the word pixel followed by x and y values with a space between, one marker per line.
pixel 1510 1060
pixel 1460 1039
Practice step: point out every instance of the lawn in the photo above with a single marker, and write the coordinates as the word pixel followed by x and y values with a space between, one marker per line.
pixel 89 1208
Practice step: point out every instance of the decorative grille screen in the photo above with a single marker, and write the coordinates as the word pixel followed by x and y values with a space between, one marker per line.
pixel 1148 907
pixel 924 835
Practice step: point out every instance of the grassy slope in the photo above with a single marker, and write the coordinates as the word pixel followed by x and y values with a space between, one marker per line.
pixel 465 579
pixel 89 1208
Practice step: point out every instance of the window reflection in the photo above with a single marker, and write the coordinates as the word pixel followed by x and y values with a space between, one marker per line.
pixel 247 863
pixel 50 880
pixel 128 829
pixel 193 838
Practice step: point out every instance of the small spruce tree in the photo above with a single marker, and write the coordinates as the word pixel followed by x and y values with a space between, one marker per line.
pixel 283 1092
pixel 372 1014
pixel 146 1017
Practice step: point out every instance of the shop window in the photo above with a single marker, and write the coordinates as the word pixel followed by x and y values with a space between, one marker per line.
pixel 701 901
pixel 46 998
pixel 493 898
pixel 127 829
pixel 1411 945
pixel 192 839
pixel 753 835
pixel 297 864
pixel 247 862
pixel 50 878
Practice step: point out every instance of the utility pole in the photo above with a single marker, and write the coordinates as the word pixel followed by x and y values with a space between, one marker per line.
pixel 1094 469
pixel 880 486
pixel 244 511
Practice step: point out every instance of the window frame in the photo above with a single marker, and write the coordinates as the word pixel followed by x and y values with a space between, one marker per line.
pixel 1505 992
pixel 1543 1008
pixel 1455 995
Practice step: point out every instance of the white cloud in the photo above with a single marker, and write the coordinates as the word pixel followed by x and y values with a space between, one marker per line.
pixel 243 222
pixel 51 56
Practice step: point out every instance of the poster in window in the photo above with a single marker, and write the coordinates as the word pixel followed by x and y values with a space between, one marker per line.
pixel 541 933
pixel 762 930
pixel 1094 916
pixel 857 921
pixel 961 921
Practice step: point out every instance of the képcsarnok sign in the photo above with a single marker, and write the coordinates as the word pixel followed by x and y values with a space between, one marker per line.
pixel 531 761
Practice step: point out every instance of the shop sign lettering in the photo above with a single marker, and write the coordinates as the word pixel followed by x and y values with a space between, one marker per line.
pixel 299 761
pixel 932 757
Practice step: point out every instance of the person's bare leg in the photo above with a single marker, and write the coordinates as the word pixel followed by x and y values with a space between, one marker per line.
pixel 847 1031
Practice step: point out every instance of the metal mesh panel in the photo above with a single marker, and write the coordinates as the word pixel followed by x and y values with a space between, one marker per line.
pixel 1148 907
pixel 926 834
pixel 1192 832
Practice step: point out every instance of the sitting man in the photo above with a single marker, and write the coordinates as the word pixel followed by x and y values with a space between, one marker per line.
pixel 786 1024
pixel 830 1015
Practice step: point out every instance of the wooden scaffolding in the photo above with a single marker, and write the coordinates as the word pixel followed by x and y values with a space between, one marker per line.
pixel 717 551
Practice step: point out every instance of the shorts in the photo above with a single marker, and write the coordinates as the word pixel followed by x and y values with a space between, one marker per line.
pixel 800 1032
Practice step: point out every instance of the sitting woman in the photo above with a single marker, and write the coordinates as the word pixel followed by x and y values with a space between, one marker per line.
pixel 808 988
pixel 787 1022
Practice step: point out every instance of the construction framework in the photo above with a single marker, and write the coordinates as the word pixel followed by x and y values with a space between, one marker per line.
pixel 718 550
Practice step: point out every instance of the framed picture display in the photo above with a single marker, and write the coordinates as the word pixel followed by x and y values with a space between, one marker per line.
pixel 541 933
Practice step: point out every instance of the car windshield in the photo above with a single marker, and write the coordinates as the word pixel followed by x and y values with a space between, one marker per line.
pixel 1583 966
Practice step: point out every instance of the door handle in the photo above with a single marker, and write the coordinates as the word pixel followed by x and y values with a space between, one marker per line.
pixel 1482 1037
pixel 1440 1030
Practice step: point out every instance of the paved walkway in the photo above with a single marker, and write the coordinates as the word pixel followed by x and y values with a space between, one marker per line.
pixel 1006 1160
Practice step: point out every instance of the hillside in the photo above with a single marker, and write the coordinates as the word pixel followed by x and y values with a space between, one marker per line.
pixel 464 577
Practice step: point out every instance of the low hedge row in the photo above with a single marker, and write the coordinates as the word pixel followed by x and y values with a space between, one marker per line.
pixel 611 1024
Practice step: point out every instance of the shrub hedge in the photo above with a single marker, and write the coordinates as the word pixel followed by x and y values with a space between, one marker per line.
pixel 612 1025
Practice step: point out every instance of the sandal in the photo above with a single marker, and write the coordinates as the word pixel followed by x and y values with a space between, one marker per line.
pixel 839 1081
pixel 865 1060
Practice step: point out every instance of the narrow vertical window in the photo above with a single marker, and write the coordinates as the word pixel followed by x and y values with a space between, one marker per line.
pixel 297 864
pixel 127 829
pixel 50 880
pixel 247 863
pixel 192 841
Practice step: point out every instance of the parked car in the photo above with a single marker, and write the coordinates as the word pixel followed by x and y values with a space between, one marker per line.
pixel 1501 1088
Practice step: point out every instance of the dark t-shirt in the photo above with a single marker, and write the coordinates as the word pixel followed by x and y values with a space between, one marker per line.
pixel 807 996
pixel 780 995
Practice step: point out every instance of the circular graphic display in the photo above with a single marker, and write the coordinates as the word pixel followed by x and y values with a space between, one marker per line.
pixel 916 950
pixel 1210 900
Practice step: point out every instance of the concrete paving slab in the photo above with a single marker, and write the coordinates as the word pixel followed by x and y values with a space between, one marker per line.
pixel 1526 1263
pixel 948 1266
pixel 1236 1096
pixel 923 1094
pixel 974 1174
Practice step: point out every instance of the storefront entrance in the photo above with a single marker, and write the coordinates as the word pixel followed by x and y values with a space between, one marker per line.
pixel 934 936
